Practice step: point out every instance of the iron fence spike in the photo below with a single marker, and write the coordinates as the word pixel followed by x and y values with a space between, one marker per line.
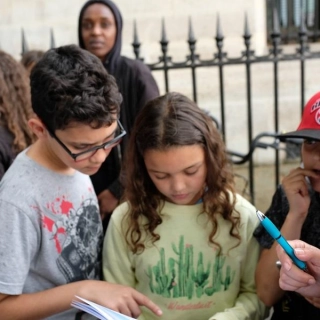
pixel 246 26
pixel 163 32
pixel 135 33
pixel 303 29
pixel 52 40
pixel 136 42
pixel 276 24
pixel 24 42
pixel 191 33
pixel 219 34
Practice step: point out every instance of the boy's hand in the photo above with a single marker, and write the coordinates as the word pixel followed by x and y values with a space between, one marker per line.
pixel 296 188
pixel 123 299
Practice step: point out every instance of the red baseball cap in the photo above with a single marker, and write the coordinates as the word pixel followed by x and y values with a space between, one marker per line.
pixel 309 127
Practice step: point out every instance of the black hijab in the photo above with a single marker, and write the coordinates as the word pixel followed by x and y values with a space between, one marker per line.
pixel 113 57
pixel 136 85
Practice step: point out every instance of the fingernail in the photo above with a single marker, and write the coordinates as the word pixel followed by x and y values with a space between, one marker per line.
pixel 312 281
pixel 298 250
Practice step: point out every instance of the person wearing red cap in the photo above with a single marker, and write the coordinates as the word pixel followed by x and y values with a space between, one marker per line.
pixel 295 209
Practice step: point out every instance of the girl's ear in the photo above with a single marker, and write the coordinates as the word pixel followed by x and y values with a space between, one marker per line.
pixel 37 127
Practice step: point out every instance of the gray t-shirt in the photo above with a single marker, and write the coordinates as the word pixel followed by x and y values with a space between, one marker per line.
pixel 50 229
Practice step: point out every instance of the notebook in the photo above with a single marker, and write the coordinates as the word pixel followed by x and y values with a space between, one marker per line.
pixel 97 310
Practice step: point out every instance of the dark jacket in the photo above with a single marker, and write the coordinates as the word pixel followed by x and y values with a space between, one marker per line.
pixel 137 87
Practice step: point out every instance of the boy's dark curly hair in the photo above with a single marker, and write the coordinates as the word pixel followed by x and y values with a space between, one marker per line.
pixel 15 102
pixel 70 84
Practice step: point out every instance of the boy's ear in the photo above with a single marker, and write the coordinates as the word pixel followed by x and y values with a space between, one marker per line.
pixel 37 127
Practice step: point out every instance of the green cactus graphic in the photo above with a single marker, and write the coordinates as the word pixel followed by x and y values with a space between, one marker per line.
pixel 180 262
pixel 179 278
pixel 164 280
pixel 218 284
pixel 229 277
pixel 201 277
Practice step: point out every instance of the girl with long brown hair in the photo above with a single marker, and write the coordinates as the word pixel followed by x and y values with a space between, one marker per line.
pixel 15 110
pixel 183 237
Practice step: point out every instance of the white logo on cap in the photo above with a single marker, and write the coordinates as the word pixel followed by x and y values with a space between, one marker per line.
pixel 317 117
pixel 315 106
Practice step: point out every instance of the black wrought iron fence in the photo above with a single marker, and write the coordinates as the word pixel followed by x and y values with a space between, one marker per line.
pixel 291 12
pixel 247 59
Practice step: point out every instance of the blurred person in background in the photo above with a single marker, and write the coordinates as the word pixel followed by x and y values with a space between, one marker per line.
pixel 15 110
pixel 100 32
pixel 30 58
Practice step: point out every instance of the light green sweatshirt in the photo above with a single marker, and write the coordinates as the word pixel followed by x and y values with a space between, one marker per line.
pixel 182 273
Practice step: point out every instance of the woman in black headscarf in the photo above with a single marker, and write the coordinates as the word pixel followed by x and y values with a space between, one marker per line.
pixel 100 28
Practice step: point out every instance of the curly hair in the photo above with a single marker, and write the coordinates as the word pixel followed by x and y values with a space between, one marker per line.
pixel 15 102
pixel 168 121
pixel 70 84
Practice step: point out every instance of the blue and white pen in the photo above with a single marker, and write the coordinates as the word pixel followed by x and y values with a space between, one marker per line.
pixel 276 235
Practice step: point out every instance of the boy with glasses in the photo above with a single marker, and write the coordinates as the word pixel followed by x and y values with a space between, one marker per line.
pixel 50 229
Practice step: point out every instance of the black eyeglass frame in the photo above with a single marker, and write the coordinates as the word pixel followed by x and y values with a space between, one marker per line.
pixel 116 140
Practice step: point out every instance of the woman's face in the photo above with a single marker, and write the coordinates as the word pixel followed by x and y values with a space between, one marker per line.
pixel 99 30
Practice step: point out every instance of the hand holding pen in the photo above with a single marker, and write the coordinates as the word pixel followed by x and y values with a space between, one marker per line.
pixel 276 235
pixel 293 278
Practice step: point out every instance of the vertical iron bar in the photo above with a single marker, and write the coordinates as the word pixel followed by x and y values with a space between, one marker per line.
pixel 24 44
pixel 52 41
pixel 316 26
pixel 291 10
pixel 275 35
pixel 164 48
pixel 192 46
pixel 220 55
pixel 248 53
pixel 302 50
pixel 136 42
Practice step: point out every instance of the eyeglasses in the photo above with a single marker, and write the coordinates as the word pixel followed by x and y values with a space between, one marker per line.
pixel 84 155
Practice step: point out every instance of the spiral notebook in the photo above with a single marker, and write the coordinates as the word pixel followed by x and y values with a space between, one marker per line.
pixel 97 310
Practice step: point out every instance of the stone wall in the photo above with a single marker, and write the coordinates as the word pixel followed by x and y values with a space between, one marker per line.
pixel 38 16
